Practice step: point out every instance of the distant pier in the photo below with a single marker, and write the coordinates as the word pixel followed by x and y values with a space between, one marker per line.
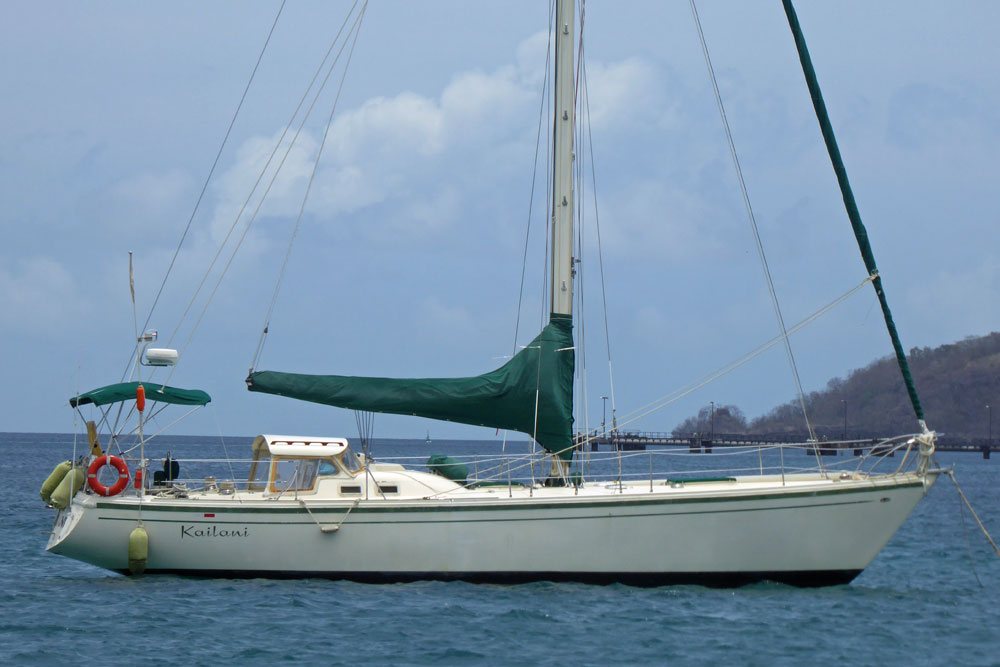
pixel 705 443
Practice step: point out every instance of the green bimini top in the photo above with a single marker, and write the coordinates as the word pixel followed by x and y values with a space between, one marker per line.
pixel 532 393
pixel 125 391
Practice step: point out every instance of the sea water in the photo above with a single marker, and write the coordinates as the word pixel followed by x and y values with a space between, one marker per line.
pixel 918 603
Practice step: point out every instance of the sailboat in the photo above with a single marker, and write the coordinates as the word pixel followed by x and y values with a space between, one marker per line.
pixel 310 506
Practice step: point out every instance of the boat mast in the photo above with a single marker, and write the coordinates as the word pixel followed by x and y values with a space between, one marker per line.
pixel 561 296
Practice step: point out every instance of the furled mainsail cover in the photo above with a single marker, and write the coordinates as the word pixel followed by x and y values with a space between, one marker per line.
pixel 504 398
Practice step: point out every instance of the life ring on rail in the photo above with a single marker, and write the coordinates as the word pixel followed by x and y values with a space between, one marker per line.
pixel 99 463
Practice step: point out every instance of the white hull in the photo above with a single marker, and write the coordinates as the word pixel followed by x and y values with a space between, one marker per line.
pixel 808 531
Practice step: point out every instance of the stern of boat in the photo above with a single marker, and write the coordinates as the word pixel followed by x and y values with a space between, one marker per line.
pixel 80 534
pixel 63 525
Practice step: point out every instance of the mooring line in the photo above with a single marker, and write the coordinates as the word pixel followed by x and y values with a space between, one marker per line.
pixel 996 550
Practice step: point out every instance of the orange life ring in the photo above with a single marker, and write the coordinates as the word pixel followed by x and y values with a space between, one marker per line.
pixel 99 463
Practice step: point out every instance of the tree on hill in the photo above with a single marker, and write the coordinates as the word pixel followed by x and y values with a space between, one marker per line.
pixel 956 382
pixel 727 419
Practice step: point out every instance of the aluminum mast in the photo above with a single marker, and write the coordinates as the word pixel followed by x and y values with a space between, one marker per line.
pixel 562 170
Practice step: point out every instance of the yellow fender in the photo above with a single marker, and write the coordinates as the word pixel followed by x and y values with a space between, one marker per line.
pixel 138 550
pixel 52 481
pixel 70 484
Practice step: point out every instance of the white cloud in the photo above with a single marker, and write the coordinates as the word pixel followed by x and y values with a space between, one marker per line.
pixel 408 124
pixel 668 223
pixel 283 188
pixel 408 151
pixel 344 190
pixel 530 59
pixel 437 210
pixel 475 101
pixel 622 92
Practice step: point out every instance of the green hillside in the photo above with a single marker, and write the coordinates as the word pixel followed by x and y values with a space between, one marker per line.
pixel 956 382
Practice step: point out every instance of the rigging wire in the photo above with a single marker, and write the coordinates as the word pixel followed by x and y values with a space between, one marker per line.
pixel 586 143
pixel 211 172
pixel 753 225
pixel 136 362
pixel 676 395
pixel 549 207
pixel 135 323
pixel 965 536
pixel 267 164
pixel 76 414
pixel 543 101
pixel 951 473
pixel 549 204
pixel 582 406
pixel 166 428
pixel 366 428
pixel 305 197
pixel 267 190
pixel 225 450
pixel 600 250
pixel 589 144
pixel 534 172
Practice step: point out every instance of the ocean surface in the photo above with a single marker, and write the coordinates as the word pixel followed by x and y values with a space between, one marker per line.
pixel 918 603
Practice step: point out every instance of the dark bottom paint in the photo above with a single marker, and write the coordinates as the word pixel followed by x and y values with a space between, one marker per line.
pixel 805 579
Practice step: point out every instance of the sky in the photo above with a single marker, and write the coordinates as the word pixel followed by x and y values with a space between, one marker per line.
pixel 408 260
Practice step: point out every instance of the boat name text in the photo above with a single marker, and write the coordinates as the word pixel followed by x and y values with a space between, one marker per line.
pixel 213 531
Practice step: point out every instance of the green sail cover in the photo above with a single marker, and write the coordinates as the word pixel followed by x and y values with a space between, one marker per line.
pixel 125 391
pixel 504 398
